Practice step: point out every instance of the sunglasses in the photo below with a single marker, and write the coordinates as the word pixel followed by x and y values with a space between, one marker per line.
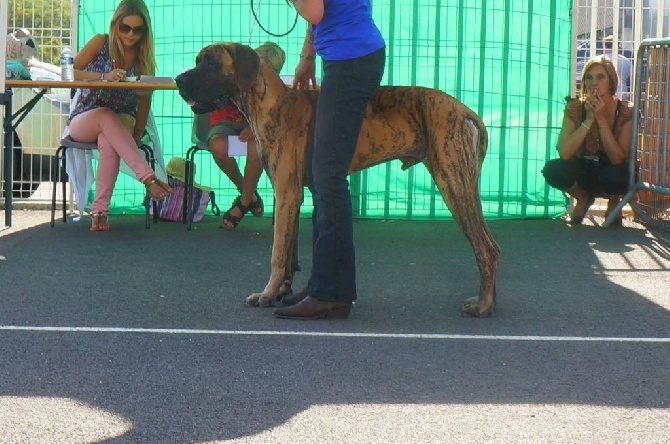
pixel 137 30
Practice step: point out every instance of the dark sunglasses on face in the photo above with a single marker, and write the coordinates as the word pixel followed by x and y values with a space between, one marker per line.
pixel 137 30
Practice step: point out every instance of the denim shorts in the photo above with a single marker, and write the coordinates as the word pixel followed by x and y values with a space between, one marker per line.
pixel 226 129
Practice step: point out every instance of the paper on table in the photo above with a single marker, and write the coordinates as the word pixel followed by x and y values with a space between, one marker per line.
pixel 155 79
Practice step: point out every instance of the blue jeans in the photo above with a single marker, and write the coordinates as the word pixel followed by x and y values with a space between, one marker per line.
pixel 346 88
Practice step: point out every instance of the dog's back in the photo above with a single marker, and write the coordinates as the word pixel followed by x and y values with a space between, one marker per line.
pixel 408 122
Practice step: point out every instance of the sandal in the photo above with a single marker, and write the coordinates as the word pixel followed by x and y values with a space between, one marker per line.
pixel 257 208
pixel 576 219
pixel 156 189
pixel 229 221
pixel 618 219
pixel 99 222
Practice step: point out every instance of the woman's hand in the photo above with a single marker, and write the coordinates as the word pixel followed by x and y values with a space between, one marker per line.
pixel 596 109
pixel 115 75
pixel 304 74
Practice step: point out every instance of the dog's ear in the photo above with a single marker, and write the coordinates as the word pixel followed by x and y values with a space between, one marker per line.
pixel 246 66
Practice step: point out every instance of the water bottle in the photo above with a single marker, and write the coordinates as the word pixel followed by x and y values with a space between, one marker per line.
pixel 67 64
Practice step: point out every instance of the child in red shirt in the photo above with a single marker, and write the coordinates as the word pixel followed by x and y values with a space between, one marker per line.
pixel 229 121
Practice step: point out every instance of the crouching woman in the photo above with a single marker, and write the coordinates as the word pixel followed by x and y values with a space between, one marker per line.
pixel 594 143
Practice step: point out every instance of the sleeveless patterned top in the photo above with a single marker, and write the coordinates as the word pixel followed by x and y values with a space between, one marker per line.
pixel 120 101
pixel 573 111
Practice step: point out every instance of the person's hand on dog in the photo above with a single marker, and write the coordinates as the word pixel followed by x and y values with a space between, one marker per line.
pixel 304 74
pixel 246 135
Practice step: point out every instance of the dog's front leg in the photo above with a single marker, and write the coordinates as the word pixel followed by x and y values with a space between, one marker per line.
pixel 284 248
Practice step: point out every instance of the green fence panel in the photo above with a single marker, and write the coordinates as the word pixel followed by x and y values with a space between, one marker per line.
pixel 507 60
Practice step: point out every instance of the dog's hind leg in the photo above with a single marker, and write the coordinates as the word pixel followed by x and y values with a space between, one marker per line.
pixel 455 168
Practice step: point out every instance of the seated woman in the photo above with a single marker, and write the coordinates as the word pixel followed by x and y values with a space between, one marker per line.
pixel 594 142
pixel 116 119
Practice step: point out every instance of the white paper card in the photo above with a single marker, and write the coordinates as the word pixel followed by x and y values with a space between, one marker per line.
pixel 235 147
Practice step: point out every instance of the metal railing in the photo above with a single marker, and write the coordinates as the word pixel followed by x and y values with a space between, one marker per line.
pixel 649 165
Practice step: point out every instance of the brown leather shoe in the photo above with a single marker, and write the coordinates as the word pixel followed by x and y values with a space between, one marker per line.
pixel 311 308
pixel 294 298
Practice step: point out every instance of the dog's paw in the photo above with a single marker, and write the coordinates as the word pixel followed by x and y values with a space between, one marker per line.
pixel 259 300
pixel 475 308
pixel 252 300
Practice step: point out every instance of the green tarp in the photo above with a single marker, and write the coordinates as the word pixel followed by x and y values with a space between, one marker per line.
pixel 509 60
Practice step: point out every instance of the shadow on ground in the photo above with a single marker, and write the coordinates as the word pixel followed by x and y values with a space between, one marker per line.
pixel 224 378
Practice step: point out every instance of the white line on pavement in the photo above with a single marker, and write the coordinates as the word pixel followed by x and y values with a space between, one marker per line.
pixel 179 331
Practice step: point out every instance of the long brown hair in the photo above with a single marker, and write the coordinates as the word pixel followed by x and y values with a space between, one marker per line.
pixel 145 62
pixel 606 63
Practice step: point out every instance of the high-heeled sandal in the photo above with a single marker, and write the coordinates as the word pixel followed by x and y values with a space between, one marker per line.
pixel 578 219
pixel 618 219
pixel 99 222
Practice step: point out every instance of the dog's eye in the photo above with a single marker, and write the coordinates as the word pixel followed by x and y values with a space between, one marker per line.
pixel 210 62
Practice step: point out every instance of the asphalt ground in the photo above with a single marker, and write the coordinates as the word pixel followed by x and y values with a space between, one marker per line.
pixel 141 336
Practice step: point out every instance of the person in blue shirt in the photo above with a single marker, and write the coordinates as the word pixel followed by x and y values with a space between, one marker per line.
pixel 353 53
pixel 624 68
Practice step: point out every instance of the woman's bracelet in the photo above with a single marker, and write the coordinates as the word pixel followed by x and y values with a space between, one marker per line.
pixel 588 128
pixel 102 76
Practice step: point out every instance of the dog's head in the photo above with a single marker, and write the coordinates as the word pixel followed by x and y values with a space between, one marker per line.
pixel 222 73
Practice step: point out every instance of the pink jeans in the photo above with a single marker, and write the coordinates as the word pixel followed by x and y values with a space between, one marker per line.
pixel 104 127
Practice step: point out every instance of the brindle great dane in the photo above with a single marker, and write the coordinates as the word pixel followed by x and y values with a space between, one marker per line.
pixel 412 124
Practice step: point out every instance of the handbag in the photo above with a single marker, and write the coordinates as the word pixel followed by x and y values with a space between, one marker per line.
pixel 172 207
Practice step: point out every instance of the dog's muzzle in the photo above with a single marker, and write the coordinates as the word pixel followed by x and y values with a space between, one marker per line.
pixel 187 92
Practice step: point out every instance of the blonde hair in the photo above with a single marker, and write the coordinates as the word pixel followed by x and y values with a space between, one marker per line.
pixel 145 62
pixel 606 63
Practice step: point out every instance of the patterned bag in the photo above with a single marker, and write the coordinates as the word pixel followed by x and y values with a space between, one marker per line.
pixel 171 208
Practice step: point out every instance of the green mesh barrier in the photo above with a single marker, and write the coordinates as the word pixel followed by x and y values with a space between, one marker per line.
pixel 507 60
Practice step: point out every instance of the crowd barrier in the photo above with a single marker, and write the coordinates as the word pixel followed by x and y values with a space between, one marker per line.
pixel 649 190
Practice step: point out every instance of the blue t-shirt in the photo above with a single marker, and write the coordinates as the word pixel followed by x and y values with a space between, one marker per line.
pixel 346 31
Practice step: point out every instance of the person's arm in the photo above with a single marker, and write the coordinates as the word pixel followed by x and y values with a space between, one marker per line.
pixel 310 10
pixel 142 116
pixel 617 149
pixel 600 111
pixel 305 77
pixel 87 54
pixel 572 137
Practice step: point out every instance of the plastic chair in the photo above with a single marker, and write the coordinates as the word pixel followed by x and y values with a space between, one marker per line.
pixel 59 168
pixel 199 140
